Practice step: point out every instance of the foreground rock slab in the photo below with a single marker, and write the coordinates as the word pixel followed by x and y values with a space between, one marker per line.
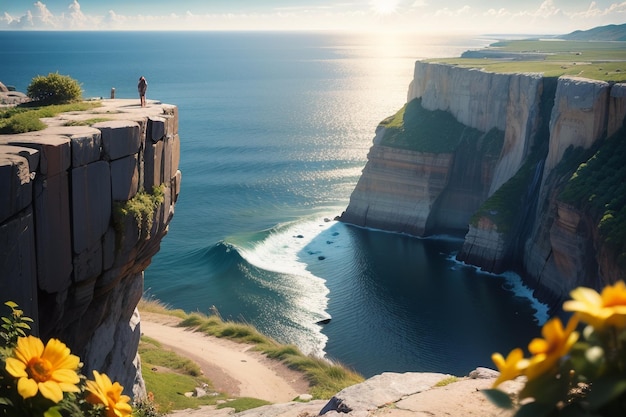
pixel 410 394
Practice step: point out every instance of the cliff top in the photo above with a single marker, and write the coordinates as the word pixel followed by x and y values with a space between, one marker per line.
pixel 597 60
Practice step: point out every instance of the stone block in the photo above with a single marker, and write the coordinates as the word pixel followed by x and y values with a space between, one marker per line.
pixel 52 227
pixel 120 138
pixel 152 162
pixel 29 153
pixel 124 178
pixel 79 298
pixel 91 204
pixel 156 129
pixel 88 263
pixel 15 185
pixel 54 151
pixel 18 270
pixel 175 150
pixel 108 248
pixel 168 142
pixel 170 114
pixel 86 148
pixel 176 181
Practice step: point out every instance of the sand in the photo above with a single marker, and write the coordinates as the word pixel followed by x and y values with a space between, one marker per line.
pixel 234 368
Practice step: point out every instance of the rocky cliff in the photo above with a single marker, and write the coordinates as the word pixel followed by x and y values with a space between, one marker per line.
pixel 83 211
pixel 520 196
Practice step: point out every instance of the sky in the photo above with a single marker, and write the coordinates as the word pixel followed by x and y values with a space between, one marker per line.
pixel 418 16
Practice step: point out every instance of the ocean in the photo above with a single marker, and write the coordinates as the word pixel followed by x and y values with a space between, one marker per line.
pixel 275 128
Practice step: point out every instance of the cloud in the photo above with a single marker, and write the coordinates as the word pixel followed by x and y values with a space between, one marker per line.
pixel 417 15
pixel 44 17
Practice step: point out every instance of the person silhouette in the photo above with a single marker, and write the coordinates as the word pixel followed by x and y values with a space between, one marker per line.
pixel 142 87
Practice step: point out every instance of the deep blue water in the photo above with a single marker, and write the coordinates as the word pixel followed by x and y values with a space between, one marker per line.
pixel 275 129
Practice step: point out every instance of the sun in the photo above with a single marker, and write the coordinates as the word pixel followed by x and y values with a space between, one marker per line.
pixel 384 6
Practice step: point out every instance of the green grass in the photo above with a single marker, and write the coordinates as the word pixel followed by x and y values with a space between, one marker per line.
pixel 325 378
pixel 417 129
pixel 25 118
pixel 447 381
pixel 87 122
pixel 605 61
pixel 243 404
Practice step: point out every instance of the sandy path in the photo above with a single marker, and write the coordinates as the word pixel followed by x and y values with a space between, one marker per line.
pixel 232 367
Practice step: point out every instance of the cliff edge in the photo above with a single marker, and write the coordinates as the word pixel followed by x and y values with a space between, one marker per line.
pixel 494 158
pixel 85 204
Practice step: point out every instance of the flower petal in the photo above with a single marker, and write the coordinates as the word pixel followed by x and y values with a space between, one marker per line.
pixel 27 387
pixel 16 368
pixel 51 391
pixel 65 375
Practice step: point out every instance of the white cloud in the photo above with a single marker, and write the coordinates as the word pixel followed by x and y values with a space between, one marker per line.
pixel 44 17
pixel 421 15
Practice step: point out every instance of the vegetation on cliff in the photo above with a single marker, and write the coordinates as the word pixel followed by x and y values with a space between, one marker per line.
pixel 598 187
pixel 141 207
pixel 22 118
pixel 54 88
pixel 435 131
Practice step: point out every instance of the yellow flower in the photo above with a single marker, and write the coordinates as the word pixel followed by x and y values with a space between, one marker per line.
pixel 556 343
pixel 102 391
pixel 600 310
pixel 50 370
pixel 511 367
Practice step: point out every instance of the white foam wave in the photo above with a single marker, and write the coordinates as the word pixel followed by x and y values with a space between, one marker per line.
pixel 514 284
pixel 307 295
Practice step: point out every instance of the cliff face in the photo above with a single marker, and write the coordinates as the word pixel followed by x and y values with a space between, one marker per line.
pixel 508 207
pixel 70 255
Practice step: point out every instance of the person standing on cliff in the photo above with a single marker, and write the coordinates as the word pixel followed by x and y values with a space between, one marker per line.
pixel 142 87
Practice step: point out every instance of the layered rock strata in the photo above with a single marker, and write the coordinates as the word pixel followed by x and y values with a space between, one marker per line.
pixel 68 255
pixel 510 214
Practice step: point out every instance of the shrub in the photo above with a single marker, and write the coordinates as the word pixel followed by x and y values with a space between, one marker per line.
pixel 54 89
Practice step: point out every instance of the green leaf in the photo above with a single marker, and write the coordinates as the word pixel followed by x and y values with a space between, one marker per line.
pixel 53 412
pixel 498 398
pixel 10 304
pixel 22 325
pixel 605 390
pixel 535 409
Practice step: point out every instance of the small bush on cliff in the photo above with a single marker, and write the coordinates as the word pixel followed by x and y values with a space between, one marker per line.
pixel 141 207
pixel 54 89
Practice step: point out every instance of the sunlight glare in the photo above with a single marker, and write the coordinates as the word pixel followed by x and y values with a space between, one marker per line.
pixel 384 7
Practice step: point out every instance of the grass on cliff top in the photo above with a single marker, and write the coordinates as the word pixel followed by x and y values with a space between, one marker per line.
pixel 417 129
pixel 325 378
pixel 435 131
pixel 23 118
pixel 605 61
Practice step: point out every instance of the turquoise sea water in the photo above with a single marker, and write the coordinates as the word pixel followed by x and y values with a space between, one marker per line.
pixel 275 129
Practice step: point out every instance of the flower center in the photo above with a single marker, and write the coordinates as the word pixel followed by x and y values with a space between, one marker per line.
pixel 39 369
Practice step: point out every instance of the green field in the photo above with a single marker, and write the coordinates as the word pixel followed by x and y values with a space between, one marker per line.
pixel 604 61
